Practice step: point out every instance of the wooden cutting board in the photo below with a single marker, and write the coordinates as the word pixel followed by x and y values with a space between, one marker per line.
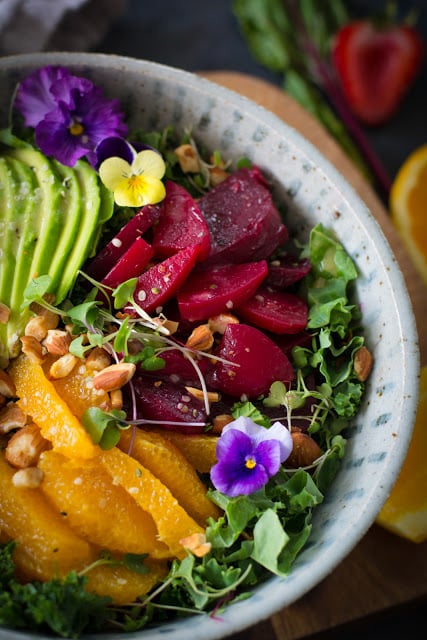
pixel 383 571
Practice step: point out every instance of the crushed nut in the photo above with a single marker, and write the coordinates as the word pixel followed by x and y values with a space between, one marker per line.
pixel 37 327
pixel 29 478
pixel 98 359
pixel 201 338
pixel 62 367
pixel 4 313
pixel 219 323
pixel 170 325
pixel 212 396
pixel 11 417
pixel 116 399
pixel 33 349
pixel 363 362
pixel 304 452
pixel 25 446
pixel 114 377
pixel 196 543
pixel 217 175
pixel 57 342
pixel 219 422
pixel 7 386
pixel 188 158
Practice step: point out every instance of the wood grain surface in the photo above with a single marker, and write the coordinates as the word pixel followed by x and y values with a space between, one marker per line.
pixel 383 571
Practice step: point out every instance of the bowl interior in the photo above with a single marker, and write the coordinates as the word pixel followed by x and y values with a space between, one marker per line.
pixel 312 191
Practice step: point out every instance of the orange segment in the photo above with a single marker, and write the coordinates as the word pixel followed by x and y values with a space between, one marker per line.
pixel 169 465
pixel 408 206
pixel 78 391
pixel 99 511
pixel 172 521
pixel 39 399
pixel 121 584
pixel 47 546
pixel 199 449
pixel 405 512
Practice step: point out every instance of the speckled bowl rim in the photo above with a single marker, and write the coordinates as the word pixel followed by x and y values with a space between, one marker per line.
pixel 268 598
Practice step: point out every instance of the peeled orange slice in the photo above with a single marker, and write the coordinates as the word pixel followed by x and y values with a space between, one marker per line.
pixel 39 399
pixel 408 206
pixel 405 512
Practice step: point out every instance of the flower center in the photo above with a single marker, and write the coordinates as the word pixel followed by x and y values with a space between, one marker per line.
pixel 76 129
pixel 250 463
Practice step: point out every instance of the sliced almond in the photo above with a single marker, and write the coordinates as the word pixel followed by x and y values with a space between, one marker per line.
pixel 363 362
pixel 220 421
pixel 57 342
pixel 114 377
pixel 212 396
pixel 304 452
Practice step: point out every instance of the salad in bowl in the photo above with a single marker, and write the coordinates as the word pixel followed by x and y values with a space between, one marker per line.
pixel 193 355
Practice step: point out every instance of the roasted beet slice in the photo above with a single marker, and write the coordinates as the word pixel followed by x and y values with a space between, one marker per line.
pixel 243 220
pixel 160 282
pixel 275 311
pixel 220 288
pixel 260 362
pixel 286 271
pixel 168 402
pixel 108 256
pixel 179 370
pixel 180 225
pixel 131 264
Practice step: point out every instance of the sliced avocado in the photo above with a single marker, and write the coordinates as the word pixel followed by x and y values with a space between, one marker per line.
pixel 71 211
pixel 20 246
pixel 50 219
pixel 94 206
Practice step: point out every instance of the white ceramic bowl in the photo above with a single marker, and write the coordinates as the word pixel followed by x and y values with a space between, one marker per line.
pixel 156 95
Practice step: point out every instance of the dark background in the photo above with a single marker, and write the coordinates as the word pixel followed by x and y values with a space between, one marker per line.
pixel 202 35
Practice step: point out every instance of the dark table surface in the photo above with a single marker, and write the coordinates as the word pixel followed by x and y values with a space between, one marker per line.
pixel 199 35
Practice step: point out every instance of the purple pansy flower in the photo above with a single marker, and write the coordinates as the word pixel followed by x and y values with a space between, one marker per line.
pixel 70 114
pixel 248 456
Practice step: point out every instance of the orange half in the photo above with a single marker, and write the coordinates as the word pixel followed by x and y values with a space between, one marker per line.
pixel 408 207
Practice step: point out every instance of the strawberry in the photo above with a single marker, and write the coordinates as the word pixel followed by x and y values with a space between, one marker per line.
pixel 376 66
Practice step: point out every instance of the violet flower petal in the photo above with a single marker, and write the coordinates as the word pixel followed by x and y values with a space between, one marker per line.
pixel 114 146
pixel 244 466
pixel 34 98
pixel 276 432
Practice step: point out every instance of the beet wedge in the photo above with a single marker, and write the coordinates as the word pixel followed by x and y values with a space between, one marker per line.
pixel 108 256
pixel 219 289
pixel 159 283
pixel 170 403
pixel 255 363
pixel 180 224
pixel 243 220
pixel 286 271
pixel 275 311
pixel 131 264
